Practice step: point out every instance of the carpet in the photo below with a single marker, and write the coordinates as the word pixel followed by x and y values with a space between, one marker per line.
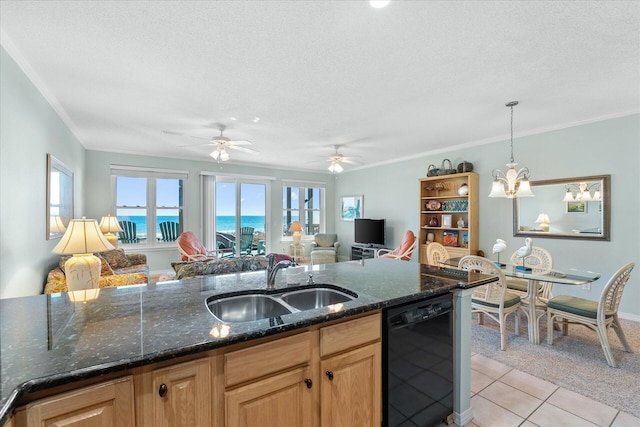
pixel 575 362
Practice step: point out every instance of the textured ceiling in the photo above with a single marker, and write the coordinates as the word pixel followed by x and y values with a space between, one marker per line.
pixel 387 84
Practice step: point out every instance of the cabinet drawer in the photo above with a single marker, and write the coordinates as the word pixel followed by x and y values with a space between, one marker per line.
pixel 257 361
pixel 350 334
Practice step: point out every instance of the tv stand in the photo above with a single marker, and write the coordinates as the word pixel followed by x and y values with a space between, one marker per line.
pixel 359 251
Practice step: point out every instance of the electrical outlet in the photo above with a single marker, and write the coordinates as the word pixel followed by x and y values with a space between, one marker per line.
pixel 586 286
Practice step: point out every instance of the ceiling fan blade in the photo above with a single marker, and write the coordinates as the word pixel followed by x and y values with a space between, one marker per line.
pixel 200 137
pixel 244 149
pixel 240 142
pixel 172 132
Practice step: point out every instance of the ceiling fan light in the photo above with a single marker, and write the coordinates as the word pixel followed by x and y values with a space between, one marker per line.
pixel 214 154
pixel 335 167
pixel 224 156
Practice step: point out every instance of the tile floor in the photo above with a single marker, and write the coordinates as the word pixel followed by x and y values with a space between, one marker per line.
pixel 505 397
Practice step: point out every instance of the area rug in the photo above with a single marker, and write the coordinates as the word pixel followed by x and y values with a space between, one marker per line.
pixel 575 362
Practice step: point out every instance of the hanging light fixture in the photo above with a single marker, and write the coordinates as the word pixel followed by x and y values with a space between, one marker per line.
pixel 335 167
pixel 583 193
pixel 220 154
pixel 513 183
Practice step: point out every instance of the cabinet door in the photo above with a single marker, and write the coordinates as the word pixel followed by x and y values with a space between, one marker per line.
pixel 281 400
pixel 107 404
pixel 351 388
pixel 182 395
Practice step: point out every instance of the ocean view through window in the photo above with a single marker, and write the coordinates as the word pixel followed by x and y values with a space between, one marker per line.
pixel 146 200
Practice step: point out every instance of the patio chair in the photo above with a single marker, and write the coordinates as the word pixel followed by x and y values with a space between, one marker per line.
pixel 170 231
pixel 402 252
pixel 246 241
pixel 492 299
pixel 598 316
pixel 192 250
pixel 128 233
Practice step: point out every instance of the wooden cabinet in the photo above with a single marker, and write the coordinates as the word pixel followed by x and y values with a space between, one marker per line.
pixel 280 400
pixel 333 373
pixel 350 368
pixel 323 376
pixel 179 395
pixel 105 404
pixel 351 388
pixel 449 212
pixel 270 384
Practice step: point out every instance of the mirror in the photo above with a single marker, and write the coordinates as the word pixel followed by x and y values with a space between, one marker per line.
pixel 570 208
pixel 59 197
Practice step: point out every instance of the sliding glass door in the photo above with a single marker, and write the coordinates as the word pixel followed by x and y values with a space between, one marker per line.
pixel 241 216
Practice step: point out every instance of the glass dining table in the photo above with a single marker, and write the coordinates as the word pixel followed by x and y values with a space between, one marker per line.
pixel 570 277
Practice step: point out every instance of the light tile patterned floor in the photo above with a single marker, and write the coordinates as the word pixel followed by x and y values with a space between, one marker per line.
pixel 505 397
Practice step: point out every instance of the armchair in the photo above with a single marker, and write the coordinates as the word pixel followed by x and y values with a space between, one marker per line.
pixel 326 242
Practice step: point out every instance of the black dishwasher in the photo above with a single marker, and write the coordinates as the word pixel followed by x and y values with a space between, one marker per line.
pixel 417 362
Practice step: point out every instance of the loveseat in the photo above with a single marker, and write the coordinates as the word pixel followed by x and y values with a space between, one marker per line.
pixel 219 266
pixel 118 269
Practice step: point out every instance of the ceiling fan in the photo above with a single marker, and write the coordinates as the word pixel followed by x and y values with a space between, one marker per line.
pixel 222 143
pixel 336 159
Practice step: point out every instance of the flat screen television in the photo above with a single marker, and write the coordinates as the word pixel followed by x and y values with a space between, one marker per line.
pixel 369 231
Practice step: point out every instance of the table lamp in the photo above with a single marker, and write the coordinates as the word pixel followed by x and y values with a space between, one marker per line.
pixel 544 221
pixel 56 225
pixel 296 229
pixel 81 239
pixel 109 225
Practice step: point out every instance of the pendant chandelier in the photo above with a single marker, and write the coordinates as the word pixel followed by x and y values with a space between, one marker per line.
pixel 513 183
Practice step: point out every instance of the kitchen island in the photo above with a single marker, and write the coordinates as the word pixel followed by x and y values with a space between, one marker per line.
pixel 48 341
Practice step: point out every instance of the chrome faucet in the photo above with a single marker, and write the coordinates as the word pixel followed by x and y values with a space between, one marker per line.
pixel 272 269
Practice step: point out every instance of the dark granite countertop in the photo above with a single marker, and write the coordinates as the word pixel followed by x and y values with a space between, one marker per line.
pixel 47 340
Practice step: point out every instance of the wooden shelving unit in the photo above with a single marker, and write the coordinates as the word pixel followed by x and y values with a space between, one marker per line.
pixel 440 201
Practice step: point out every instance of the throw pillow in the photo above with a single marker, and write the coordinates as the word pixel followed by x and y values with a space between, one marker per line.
pixel 116 258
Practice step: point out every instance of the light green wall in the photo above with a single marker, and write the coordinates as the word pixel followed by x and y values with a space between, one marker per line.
pixel 605 147
pixel 98 199
pixel 30 129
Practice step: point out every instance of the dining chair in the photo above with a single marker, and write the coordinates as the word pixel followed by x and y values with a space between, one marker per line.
pixel 402 252
pixel 540 261
pixel 492 299
pixel 596 315
pixel 436 253
pixel 128 233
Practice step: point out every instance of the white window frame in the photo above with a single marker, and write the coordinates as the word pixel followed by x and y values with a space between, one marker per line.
pixel 302 185
pixel 151 174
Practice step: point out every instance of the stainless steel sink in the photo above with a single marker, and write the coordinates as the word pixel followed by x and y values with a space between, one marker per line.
pixel 308 299
pixel 246 308
pixel 250 307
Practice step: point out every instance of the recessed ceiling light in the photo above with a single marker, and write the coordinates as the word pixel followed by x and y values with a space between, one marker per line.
pixel 256 119
pixel 378 4
pixel 232 118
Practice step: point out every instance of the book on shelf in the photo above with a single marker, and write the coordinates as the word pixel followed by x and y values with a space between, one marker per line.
pixel 450 238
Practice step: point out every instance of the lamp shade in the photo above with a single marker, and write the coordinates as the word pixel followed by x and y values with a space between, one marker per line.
pixel 296 229
pixel 82 236
pixel 109 224
pixel 56 225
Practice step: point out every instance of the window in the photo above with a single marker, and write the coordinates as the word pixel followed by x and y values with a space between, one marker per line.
pixel 303 202
pixel 148 205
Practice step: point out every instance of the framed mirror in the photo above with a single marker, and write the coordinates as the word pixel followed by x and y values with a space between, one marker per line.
pixel 59 197
pixel 569 208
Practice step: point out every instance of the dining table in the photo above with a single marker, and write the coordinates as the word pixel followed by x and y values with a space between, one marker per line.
pixel 535 303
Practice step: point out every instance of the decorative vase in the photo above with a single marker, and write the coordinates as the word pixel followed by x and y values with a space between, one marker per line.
pixel 463 190
pixel 460 223
pixel 433 221
pixel 430 237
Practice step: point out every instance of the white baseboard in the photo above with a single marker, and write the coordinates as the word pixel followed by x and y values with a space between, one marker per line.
pixel 629 316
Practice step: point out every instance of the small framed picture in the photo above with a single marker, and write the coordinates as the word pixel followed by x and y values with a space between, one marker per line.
pixel 576 207
pixel 351 207
pixel 446 221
